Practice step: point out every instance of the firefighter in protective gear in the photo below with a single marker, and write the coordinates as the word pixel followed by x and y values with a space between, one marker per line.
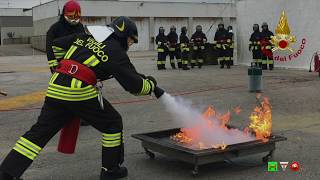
pixel 266 47
pixel 230 45
pixel 255 46
pixel 87 58
pixel 220 39
pixel 184 46
pixel 69 23
pixel 174 50
pixel 162 42
pixel 198 39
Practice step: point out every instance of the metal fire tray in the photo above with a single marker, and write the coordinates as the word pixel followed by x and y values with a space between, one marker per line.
pixel 160 142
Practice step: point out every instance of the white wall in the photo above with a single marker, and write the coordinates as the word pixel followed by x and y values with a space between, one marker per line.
pixel 303 18
pixel 143 30
pixel 18 32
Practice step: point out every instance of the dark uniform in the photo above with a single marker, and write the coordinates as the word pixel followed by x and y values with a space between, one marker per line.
pixel 198 39
pixel 220 39
pixel 60 29
pixel 162 42
pixel 184 46
pixel 68 96
pixel 266 47
pixel 255 45
pixel 174 50
pixel 230 45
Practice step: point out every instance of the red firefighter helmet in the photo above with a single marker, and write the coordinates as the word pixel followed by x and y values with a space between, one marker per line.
pixel 72 11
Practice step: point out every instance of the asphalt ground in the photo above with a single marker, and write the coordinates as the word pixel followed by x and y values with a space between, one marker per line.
pixel 293 94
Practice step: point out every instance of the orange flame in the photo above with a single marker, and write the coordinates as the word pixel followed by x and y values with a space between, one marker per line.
pixel 261 125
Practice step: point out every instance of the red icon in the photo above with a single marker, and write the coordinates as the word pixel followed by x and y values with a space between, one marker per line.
pixel 295 166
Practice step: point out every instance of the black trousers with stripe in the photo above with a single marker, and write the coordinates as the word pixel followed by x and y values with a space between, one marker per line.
pixel 54 115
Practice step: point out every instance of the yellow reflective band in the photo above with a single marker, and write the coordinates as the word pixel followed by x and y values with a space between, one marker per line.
pixel 112 135
pixel 270 62
pixel 227 58
pixel 75 83
pixel 30 144
pixel 111 138
pixel 57 48
pixel 72 49
pixel 172 49
pixel 19 142
pixel 264 62
pixel 91 61
pixel 24 151
pixel 200 60
pixel 64 89
pixel 171 61
pixel 111 143
pixel 147 87
pixel 53 77
pixel 163 62
pixel 53 63
pixel 160 50
pixel 193 61
pixel 71 98
pixel 179 60
pixel 159 62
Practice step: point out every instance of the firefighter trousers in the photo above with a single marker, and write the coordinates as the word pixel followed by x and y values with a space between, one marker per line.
pixel 161 62
pixel 197 56
pixel 175 53
pixel 223 57
pixel 54 115
pixel 257 57
pixel 267 60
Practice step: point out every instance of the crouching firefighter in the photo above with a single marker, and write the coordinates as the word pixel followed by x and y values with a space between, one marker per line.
pixel 184 46
pixel 88 58
pixel 162 42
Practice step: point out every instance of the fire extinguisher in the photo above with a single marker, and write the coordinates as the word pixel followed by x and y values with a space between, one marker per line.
pixel 316 62
pixel 68 136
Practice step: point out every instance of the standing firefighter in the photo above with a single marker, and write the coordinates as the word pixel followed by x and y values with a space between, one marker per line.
pixel 220 39
pixel 198 39
pixel 69 23
pixel 184 46
pixel 162 42
pixel 255 46
pixel 71 92
pixel 266 47
pixel 174 50
pixel 230 45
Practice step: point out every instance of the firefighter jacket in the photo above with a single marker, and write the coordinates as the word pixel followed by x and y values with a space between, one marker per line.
pixel 162 42
pixel 173 41
pixel 106 59
pixel 220 38
pixel 255 39
pixel 184 42
pixel 59 29
pixel 198 39
pixel 266 39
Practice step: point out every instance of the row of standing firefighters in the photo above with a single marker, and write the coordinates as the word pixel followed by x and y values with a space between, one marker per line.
pixel 168 45
pixel 260 45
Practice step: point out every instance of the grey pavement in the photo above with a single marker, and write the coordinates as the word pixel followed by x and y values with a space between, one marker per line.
pixel 294 96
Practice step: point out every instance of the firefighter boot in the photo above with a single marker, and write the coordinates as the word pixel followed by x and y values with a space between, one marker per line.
pixel 114 173
pixel 179 65
pixel 5 176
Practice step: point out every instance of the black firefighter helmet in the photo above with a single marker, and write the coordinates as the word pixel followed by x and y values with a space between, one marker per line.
pixel 124 27
pixel 184 30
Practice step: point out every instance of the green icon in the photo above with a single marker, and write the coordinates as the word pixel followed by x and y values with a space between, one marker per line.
pixel 272 166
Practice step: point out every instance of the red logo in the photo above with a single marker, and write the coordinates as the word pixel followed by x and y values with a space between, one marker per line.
pixel 295 166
